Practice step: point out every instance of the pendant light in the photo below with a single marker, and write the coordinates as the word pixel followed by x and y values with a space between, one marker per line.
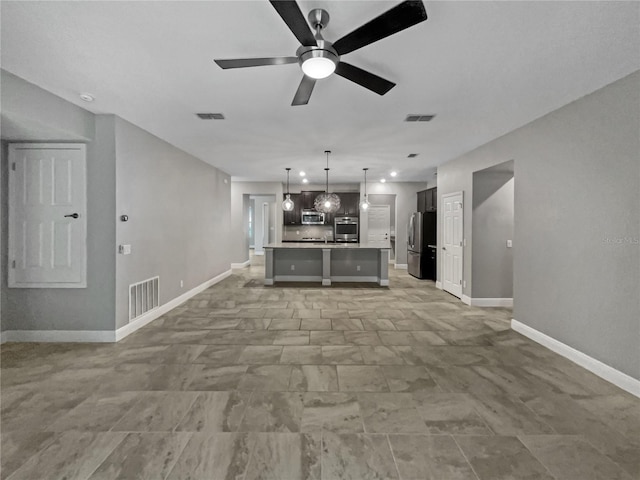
pixel 287 205
pixel 365 203
pixel 327 202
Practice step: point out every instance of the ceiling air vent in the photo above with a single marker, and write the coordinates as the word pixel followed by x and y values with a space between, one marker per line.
pixel 210 116
pixel 419 118
pixel 412 155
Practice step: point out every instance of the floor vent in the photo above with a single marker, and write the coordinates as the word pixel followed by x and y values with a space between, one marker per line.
pixel 143 297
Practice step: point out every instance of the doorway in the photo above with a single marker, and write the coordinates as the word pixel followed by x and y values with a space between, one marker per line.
pixel 379 224
pixel 452 238
pixel 262 218
pixel 492 227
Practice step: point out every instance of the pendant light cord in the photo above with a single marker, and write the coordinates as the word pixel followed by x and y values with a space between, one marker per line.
pixel 288 180
pixel 327 171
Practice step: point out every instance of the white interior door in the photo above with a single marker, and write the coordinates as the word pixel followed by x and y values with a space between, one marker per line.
pixel 47 216
pixel 452 250
pixel 379 224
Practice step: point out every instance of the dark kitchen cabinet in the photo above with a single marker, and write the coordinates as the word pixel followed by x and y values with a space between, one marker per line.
pixel 428 200
pixel 422 201
pixel 294 216
pixel 349 204
pixel 308 198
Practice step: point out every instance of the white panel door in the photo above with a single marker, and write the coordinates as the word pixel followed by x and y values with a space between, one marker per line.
pixel 452 250
pixel 47 216
pixel 379 224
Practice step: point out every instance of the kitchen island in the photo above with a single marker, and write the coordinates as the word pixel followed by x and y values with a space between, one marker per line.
pixel 327 262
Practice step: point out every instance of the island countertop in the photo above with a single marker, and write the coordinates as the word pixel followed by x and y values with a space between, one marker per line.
pixel 321 245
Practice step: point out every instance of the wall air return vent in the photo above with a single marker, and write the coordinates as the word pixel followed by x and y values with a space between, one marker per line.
pixel 143 297
pixel 418 118
pixel 210 116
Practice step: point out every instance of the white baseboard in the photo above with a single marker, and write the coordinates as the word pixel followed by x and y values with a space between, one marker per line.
pixel 58 336
pixel 102 336
pixel 148 317
pixel 439 285
pixel 400 266
pixel 604 371
pixel 261 252
pixel 490 302
pixel 465 299
pixel 241 265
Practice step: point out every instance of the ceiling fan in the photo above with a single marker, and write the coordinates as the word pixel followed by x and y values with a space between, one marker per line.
pixel 319 58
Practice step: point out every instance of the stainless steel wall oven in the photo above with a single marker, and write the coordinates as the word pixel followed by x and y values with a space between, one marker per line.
pixel 346 229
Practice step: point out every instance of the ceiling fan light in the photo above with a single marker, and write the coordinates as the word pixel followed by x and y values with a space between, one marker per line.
pixel 318 63
pixel 318 67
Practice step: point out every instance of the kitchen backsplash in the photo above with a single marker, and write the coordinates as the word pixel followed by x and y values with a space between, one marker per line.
pixel 301 232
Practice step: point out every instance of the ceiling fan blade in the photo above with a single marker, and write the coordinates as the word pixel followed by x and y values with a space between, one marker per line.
pixel 255 62
pixel 293 17
pixel 304 91
pixel 402 16
pixel 366 79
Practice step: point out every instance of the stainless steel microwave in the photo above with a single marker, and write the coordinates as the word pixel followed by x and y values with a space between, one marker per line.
pixel 311 217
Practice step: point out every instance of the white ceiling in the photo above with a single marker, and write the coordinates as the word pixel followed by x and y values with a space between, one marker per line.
pixel 485 68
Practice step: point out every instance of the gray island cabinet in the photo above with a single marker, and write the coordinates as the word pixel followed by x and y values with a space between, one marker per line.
pixel 327 262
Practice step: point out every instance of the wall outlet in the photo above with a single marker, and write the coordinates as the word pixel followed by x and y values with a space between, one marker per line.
pixel 509 243
pixel 464 242
pixel 181 283
pixel 293 267
pixel 464 284
pixel 357 268
pixel 124 249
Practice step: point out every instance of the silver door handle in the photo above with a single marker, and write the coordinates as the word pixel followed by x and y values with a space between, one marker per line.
pixel 72 215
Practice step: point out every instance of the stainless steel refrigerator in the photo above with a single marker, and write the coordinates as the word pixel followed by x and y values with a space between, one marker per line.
pixel 421 245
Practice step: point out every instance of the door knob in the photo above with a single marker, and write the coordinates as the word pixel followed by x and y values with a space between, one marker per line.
pixel 72 215
pixel 444 248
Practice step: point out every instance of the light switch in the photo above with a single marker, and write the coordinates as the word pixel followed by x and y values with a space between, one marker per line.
pixel 124 249
pixel 509 243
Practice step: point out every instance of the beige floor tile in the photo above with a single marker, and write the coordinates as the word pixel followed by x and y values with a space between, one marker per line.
pixel 361 378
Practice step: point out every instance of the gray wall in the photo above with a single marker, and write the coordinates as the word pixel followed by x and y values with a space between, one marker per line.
pixel 577 221
pixel 492 220
pixel 179 216
pixel 33 114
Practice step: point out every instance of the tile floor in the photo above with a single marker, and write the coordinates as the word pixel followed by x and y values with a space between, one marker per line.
pixel 249 382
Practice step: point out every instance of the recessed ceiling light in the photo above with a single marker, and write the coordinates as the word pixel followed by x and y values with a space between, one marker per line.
pixel 393 174
pixel 302 174
pixel 87 97
pixel 383 180
pixel 304 180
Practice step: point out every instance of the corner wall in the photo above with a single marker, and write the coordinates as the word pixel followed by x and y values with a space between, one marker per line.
pixel 577 222
pixel 179 217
